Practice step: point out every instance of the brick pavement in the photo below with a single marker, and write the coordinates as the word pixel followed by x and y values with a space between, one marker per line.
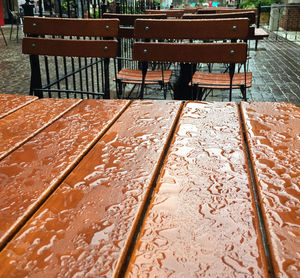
pixel 275 67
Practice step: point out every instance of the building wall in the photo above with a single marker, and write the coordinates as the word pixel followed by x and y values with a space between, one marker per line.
pixel 290 20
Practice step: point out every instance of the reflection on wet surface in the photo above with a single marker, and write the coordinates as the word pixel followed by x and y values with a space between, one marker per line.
pixel 18 127
pixel 83 228
pixel 273 134
pixel 29 173
pixel 202 220
pixel 10 103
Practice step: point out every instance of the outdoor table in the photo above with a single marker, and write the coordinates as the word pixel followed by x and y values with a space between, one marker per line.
pixel 102 188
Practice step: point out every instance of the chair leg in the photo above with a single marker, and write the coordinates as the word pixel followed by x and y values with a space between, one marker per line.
pixel 17 32
pixel 3 36
pixel 11 29
pixel 119 89
pixel 244 93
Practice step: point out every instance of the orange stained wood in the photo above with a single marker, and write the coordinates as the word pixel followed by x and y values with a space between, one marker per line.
pixel 201 221
pixel 273 134
pixel 10 103
pixel 20 126
pixel 30 173
pixel 84 228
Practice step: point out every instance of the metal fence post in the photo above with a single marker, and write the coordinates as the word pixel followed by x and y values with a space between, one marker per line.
pixel 103 7
pixel 28 8
pixel 258 14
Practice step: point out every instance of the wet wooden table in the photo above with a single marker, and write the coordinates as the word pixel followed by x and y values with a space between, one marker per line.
pixel 109 188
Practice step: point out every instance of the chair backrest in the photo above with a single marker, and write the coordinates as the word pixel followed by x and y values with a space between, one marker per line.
pixel 230 10
pixel 190 10
pixel 127 21
pixel 70 38
pixel 175 13
pixel 248 14
pixel 100 28
pixel 213 29
pixel 193 52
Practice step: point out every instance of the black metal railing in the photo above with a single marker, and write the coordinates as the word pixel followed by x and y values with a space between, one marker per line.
pixel 74 77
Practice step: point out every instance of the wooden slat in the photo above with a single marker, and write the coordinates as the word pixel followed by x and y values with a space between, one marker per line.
pixel 202 220
pixel 190 52
pixel 250 15
pixel 30 173
pixel 221 80
pixel 135 76
pixel 10 103
pixel 85 227
pixel 170 13
pixel 20 126
pixel 71 27
pixel 210 29
pixel 71 48
pixel 223 10
pixel 129 19
pixel 273 135
pixel 259 34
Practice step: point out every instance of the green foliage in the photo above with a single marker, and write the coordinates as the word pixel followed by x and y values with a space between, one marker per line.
pixel 249 4
pixel 64 5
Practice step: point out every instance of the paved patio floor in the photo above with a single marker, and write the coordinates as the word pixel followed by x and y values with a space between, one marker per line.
pixel 275 67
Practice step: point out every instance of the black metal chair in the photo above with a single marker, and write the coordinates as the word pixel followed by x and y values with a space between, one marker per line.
pixel 129 71
pixel 194 50
pixel 15 19
pixel 80 50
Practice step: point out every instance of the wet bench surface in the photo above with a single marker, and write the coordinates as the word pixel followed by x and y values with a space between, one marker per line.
pixel 20 126
pixel 201 219
pixel 10 103
pixel 85 226
pixel 76 193
pixel 273 134
pixel 32 171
